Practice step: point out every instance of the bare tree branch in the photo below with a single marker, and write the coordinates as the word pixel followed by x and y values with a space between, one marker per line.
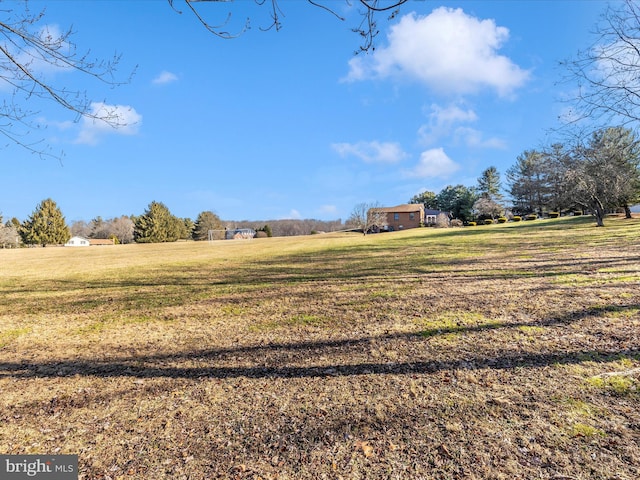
pixel 607 74
pixel 27 52
pixel 367 29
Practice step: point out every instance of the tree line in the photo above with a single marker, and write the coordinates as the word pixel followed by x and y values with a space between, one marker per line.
pixel 47 226
pixel 597 175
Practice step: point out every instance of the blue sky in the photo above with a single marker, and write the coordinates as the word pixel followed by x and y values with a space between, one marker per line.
pixel 291 124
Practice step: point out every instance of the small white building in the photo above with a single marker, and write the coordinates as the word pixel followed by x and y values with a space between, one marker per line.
pixel 77 242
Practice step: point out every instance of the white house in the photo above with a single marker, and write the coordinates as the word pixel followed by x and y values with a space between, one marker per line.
pixel 77 242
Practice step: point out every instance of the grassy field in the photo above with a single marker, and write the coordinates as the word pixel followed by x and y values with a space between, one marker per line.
pixel 495 352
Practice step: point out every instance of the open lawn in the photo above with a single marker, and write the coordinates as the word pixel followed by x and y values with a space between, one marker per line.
pixel 495 352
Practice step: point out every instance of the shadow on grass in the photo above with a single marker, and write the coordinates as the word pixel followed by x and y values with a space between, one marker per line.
pixel 163 365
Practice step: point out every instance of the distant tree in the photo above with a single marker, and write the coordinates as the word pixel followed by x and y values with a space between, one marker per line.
pixel 206 221
pixel 428 199
pixel 603 174
pixel 8 235
pixel 156 225
pixel 187 232
pixel 486 207
pixel 290 227
pixel 100 228
pixel 365 216
pixel 122 228
pixel 489 184
pixel 457 200
pixel 557 159
pixel 80 228
pixel 529 182
pixel 608 72
pixel 266 230
pixel 490 199
pixel 45 226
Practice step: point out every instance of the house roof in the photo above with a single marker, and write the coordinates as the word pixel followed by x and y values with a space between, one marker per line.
pixel 405 208
pixel 430 211
pixel 100 241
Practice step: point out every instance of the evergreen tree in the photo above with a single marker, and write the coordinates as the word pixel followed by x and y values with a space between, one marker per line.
pixel 45 226
pixel 489 202
pixel 206 221
pixel 457 200
pixel 428 199
pixel 489 184
pixel 529 183
pixel 156 225
pixel 187 232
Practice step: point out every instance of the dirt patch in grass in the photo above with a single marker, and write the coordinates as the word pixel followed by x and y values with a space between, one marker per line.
pixel 498 353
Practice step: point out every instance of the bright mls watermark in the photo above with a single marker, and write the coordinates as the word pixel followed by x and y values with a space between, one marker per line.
pixel 49 467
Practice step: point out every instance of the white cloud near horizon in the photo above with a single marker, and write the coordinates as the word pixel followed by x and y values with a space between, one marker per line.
pixel 165 78
pixel 448 51
pixel 328 209
pixel 433 163
pixel 292 215
pixel 108 119
pixel 372 152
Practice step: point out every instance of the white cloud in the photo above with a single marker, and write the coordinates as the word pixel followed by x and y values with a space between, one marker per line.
pixel 328 209
pixel 433 163
pixel 292 215
pixel 371 152
pixel 443 124
pixel 449 51
pixel 106 119
pixel 442 121
pixel 474 138
pixel 164 78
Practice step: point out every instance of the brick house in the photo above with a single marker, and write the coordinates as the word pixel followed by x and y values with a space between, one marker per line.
pixel 401 217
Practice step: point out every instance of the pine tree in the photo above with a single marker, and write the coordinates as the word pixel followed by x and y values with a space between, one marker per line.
pixel 156 225
pixel 489 184
pixel 45 226
pixel 206 221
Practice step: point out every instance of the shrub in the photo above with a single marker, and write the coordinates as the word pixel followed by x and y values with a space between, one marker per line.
pixel 442 220
pixel 531 216
pixel 502 220
pixel 554 214
pixel 472 224
pixel 516 218
pixel 488 221
pixel 456 222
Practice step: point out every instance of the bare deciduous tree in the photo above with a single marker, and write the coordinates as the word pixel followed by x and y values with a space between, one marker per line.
pixel 28 49
pixel 366 216
pixel 9 236
pixel 608 73
pixel 603 174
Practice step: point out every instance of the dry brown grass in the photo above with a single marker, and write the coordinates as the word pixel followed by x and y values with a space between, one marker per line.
pixel 499 352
